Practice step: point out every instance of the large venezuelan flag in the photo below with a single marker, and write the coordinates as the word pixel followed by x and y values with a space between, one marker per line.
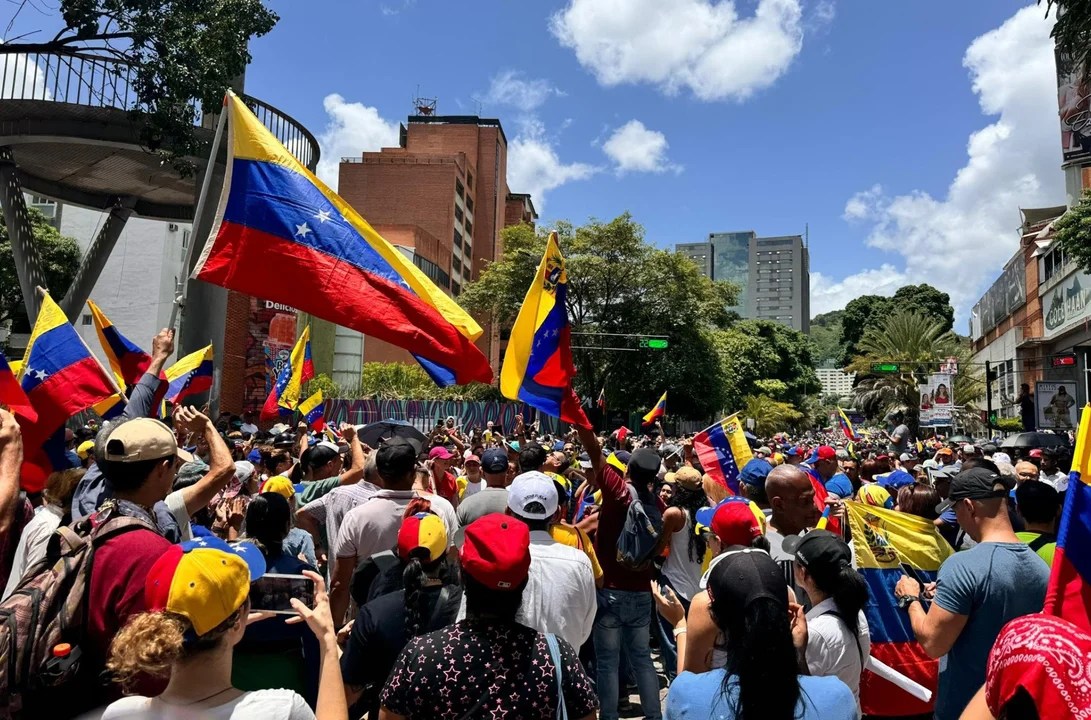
pixel 538 365
pixel 289 384
pixel 60 377
pixel 1069 592
pixel 282 235
pixel 889 544
pixel 656 412
pixel 190 375
pixel 723 451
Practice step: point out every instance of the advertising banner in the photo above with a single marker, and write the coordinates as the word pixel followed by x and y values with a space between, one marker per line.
pixel 936 400
pixel 1056 403
pixel 1067 304
pixel 1074 102
pixel 270 336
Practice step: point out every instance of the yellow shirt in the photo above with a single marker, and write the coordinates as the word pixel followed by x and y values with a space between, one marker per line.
pixel 574 537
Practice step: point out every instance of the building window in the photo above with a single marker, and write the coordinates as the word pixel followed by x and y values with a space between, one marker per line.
pixel 458 213
pixel 470 180
pixel 469 228
pixel 434 272
pixel 185 239
pixel 456 264
pixel 459 190
pixel 458 239
pixel 469 203
pixel 1052 262
pixel 455 288
pixel 87 319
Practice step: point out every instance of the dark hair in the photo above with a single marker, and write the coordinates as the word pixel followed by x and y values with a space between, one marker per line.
pixel 61 486
pixel 1037 501
pixel 761 655
pixel 268 520
pixel 918 499
pixel 531 458
pixel 848 589
pixel 690 500
pixel 416 607
pixel 869 469
pixel 533 523
pixel 482 600
pixel 129 476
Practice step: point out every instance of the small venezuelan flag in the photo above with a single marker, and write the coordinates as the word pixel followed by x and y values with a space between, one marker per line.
pixel 190 375
pixel 538 365
pixel 656 412
pixel 128 362
pixel 289 384
pixel 1069 592
pixel 723 450
pixel 846 425
pixel 275 219
pixel 313 410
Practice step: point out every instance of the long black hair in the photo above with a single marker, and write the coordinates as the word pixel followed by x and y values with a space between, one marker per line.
pixel 417 570
pixel 761 655
pixel 847 588
pixel 268 520
pixel 690 500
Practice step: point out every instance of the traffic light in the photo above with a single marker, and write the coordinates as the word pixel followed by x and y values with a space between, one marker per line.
pixel 992 420
pixel 886 368
pixel 654 343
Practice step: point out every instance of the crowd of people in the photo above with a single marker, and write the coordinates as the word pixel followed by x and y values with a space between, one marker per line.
pixel 499 572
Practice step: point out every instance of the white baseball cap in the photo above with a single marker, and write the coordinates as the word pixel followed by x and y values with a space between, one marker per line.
pixel 533 487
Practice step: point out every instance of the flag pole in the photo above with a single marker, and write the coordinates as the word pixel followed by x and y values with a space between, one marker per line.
pixel 180 282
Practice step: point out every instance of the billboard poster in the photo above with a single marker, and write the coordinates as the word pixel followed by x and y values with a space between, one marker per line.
pixel 936 400
pixel 1067 304
pixel 1074 103
pixel 1056 403
pixel 270 336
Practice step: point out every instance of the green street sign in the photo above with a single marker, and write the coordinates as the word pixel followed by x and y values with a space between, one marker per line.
pixel 887 368
pixel 654 344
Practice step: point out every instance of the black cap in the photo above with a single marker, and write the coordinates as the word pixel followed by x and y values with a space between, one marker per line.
pixel 644 465
pixel 819 551
pixel 977 483
pixel 494 460
pixel 396 458
pixel 741 577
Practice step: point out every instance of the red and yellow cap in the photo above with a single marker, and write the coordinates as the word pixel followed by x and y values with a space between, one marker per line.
pixel 422 531
pixel 204 580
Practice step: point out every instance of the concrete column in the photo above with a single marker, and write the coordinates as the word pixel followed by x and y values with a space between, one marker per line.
pixel 28 260
pixel 96 257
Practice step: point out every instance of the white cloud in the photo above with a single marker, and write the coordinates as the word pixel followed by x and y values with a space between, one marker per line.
pixel 23 79
pixel 960 242
pixel 828 294
pixel 635 148
pixel 699 45
pixel 510 88
pixel 534 166
pixel 352 129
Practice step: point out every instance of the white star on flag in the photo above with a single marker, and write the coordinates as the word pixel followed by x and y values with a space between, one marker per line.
pixel 323 216
pixel 41 374
pixel 302 230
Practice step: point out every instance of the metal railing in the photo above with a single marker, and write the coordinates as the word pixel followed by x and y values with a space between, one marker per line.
pixel 68 77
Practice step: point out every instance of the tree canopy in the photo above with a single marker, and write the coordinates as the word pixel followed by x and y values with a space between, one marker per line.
pixel 1072 33
pixel 178 50
pixel 826 337
pixel 1074 232
pixel 60 261
pixel 871 311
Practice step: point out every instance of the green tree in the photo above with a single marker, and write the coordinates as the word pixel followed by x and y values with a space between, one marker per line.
pixel 768 357
pixel 927 301
pixel 1074 232
pixel 870 311
pixel 172 52
pixel 1072 33
pixel 858 314
pixel 770 416
pixel 619 283
pixel 60 261
pixel 826 337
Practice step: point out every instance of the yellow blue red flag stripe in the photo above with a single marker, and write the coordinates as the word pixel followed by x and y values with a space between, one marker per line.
pixel 12 395
pixel 723 451
pixel 275 219
pixel 1069 592
pixel 846 425
pixel 313 410
pixel 658 411
pixel 289 383
pixel 190 375
pixel 538 365
pixel 128 361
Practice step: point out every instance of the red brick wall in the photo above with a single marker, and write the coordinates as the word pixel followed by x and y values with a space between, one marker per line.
pixel 233 365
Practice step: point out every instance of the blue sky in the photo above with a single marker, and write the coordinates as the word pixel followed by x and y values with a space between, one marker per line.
pixel 906 135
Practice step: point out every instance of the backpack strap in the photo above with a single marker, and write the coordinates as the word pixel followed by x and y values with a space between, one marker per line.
pixel 1041 541
pixel 558 672
pixel 855 635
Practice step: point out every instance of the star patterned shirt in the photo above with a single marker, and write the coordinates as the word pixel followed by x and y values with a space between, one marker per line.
pixel 504 665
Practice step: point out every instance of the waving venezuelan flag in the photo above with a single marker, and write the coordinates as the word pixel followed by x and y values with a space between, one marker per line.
pixel 723 451
pixel 289 384
pixel 277 220
pixel 313 410
pixel 190 375
pixel 656 412
pixel 1069 592
pixel 538 365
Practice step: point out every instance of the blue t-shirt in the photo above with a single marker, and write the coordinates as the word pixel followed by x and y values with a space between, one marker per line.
pixel 840 485
pixel 991 584
pixel 701 696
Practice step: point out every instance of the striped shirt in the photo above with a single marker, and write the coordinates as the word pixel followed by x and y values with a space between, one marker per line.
pixel 332 507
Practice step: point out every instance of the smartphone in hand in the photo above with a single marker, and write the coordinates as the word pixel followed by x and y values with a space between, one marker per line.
pixel 273 593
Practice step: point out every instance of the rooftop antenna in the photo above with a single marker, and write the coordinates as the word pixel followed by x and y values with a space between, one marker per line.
pixel 806 234
pixel 424 106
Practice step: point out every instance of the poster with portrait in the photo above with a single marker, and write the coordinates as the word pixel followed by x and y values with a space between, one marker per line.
pixel 936 400
pixel 1056 402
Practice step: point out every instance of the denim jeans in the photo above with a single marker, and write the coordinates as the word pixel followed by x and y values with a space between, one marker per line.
pixel 621 626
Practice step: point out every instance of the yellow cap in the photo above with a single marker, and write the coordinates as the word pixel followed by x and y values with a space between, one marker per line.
pixel 280 485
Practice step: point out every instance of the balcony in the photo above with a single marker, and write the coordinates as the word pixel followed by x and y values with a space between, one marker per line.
pixel 69 123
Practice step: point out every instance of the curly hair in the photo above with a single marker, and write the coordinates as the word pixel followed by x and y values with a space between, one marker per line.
pixel 150 643
pixel 691 500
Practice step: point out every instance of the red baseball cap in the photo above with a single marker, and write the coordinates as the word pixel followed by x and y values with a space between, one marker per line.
pixel 822 452
pixel 1036 453
pixel 736 523
pixel 439 453
pixel 423 531
pixel 496 551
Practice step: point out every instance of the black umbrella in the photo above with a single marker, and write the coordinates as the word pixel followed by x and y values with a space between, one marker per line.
pixel 960 439
pixel 1034 440
pixel 375 433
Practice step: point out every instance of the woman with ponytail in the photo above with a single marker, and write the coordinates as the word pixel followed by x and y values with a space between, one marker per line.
pixel 197 595
pixel 428 600
pixel 268 522
pixel 761 680
pixel 837 631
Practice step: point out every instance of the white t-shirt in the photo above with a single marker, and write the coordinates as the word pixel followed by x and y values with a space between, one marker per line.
pixel 33 543
pixel 474 487
pixel 831 648
pixel 256 705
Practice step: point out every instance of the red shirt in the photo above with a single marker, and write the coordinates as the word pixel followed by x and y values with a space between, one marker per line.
pixel 615 506
pixel 120 567
pixel 447 487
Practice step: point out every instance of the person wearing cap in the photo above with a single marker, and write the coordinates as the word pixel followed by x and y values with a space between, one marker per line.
pixel 85 451
pixel 560 594
pixel 470 480
pixel 793 455
pixel 372 527
pixel 197 611
pixel 493 498
pixel 823 467
pixel 908 462
pixel 321 518
pixel 625 602
pixel 1051 473
pixel 764 636
pixel 325 468
pixel 838 642
pixel 752 479
pixel 489 665
pixel 977 591
pixel 427 601
pixel 443 481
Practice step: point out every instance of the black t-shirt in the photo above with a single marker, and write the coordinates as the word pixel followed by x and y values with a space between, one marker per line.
pixel 379 635
pixel 504 666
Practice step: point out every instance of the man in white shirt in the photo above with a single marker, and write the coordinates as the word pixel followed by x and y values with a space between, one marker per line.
pixel 332 507
pixel 1051 474
pixel 560 595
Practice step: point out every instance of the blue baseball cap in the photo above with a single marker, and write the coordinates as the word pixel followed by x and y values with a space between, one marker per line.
pixel 755 472
pixel 494 460
pixel 896 479
pixel 254 456
pixel 247 551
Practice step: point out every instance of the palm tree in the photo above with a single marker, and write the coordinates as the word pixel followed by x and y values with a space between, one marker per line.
pixel 770 416
pixel 917 343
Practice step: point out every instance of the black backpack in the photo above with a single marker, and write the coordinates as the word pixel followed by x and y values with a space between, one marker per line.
pixel 639 536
